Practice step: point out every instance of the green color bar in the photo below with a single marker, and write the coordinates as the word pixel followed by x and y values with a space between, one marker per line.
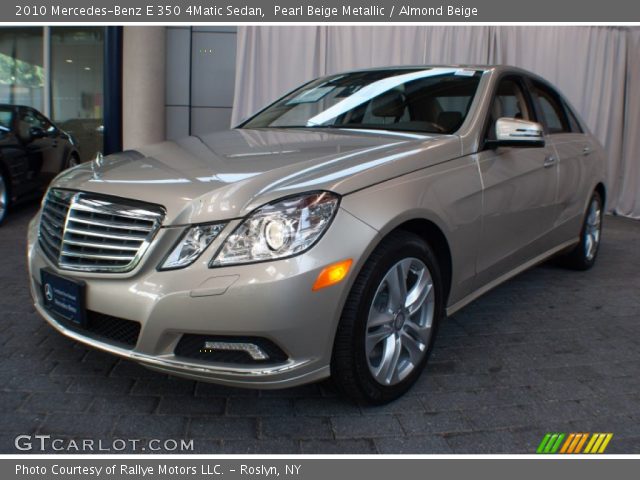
pixel 558 443
pixel 551 443
pixel 543 443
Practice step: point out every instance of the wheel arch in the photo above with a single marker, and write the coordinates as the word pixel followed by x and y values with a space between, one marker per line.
pixel 601 189
pixel 432 234
pixel 429 231
pixel 70 151
pixel 344 365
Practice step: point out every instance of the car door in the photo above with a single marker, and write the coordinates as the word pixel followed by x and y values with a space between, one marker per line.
pixel 41 145
pixel 54 155
pixel 574 149
pixel 519 190
pixel 13 155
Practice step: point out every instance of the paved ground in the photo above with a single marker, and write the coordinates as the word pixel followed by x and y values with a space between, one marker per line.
pixel 551 350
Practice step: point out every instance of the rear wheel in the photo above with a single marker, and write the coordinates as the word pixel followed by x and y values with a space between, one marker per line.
pixel 584 254
pixel 4 196
pixel 388 324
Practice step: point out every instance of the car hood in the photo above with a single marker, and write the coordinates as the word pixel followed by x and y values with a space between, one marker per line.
pixel 227 174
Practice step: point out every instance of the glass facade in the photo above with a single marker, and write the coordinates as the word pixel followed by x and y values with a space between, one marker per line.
pixel 77 59
pixel 59 71
pixel 22 76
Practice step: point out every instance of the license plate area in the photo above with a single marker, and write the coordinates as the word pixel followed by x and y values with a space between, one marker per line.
pixel 63 297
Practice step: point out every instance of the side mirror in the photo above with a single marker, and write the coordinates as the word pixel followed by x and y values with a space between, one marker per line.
pixel 37 132
pixel 513 132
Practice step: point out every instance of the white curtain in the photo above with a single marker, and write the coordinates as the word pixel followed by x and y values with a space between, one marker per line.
pixel 597 68
pixel 358 47
pixel 271 61
pixel 587 64
pixel 628 202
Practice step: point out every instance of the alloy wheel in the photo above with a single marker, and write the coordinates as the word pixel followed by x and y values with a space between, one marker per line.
pixel 399 325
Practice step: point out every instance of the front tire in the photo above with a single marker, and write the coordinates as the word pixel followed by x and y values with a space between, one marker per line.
pixel 389 321
pixel 584 254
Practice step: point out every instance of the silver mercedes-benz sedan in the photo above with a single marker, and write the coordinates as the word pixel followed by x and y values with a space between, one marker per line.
pixel 325 236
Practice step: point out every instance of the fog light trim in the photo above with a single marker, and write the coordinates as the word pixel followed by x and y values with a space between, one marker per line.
pixel 251 349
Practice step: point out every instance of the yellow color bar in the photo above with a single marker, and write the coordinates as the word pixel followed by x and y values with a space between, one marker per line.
pixel 594 437
pixel 599 441
pixel 606 441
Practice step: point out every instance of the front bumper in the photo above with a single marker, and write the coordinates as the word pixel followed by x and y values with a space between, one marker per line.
pixel 271 300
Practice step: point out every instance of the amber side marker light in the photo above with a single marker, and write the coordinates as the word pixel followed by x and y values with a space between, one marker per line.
pixel 332 274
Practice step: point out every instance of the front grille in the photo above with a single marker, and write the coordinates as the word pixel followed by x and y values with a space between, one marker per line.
pixel 193 346
pixel 105 328
pixel 90 232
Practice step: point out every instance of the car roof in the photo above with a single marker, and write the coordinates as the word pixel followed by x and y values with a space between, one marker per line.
pixel 425 66
pixel 498 68
pixel 13 105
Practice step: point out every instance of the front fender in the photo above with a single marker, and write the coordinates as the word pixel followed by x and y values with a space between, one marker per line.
pixel 448 195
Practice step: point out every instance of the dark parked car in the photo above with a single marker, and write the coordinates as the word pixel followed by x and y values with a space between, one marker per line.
pixel 32 151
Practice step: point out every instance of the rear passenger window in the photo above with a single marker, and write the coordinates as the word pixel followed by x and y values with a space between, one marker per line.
pixel 553 118
pixel 573 120
pixel 510 101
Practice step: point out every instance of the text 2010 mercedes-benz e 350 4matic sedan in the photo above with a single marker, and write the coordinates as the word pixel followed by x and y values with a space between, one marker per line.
pixel 327 235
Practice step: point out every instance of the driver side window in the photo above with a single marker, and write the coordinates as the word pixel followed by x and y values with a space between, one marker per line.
pixel 509 101
pixel 29 117
pixel 47 126
pixel 26 121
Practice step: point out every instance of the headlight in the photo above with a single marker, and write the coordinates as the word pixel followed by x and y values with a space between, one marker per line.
pixel 280 229
pixel 193 242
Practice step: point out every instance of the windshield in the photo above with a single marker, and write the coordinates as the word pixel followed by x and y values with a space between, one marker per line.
pixel 432 100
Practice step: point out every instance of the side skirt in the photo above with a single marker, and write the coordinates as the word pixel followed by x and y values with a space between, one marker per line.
pixel 503 278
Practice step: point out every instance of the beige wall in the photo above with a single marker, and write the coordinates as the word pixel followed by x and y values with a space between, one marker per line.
pixel 143 86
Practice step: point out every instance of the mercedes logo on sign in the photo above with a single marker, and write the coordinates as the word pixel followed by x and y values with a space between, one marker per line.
pixel 48 292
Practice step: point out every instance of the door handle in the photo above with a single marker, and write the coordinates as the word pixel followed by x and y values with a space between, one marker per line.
pixel 549 161
pixel 586 150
